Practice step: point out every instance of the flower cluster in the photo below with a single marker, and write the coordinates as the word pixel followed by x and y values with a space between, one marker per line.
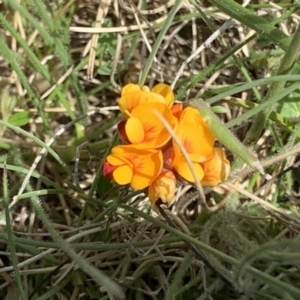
pixel 149 158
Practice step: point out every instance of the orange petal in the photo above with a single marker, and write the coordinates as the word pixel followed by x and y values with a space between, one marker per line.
pixel 216 169
pixel 184 171
pixel 123 175
pixel 146 168
pixel 107 169
pixel 168 155
pixel 115 160
pixel 145 165
pixel 121 151
pixel 195 135
pixel 134 130
pixel 165 91
pixel 156 135
pixel 122 132
pixel 130 100
pixel 177 155
pixel 176 110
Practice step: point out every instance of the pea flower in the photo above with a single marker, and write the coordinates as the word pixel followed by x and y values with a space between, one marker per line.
pixel 129 165
pixel 133 95
pixel 216 169
pixel 150 159
pixel 144 129
pixel 197 140
pixel 163 187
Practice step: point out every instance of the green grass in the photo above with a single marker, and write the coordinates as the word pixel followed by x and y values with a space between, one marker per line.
pixel 69 232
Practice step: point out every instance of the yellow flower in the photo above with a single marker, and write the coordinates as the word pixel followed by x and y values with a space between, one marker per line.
pixel 165 91
pixel 216 169
pixel 198 141
pixel 144 129
pixel 129 165
pixel 163 187
pixel 133 95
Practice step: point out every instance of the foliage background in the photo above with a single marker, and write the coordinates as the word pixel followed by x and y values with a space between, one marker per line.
pixel 69 233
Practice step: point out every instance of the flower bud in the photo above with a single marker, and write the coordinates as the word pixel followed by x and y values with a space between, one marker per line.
pixel 163 188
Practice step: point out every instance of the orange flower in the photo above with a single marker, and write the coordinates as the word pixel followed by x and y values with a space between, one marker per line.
pixel 144 129
pixel 137 167
pixel 216 169
pixel 198 141
pixel 163 187
pixel 133 95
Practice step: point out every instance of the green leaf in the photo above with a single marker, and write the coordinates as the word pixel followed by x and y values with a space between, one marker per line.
pixel 20 118
pixel 7 104
pixel 218 109
pixel 78 278
pixel 105 186
pixel 290 106
pixel 105 69
pixel 3 145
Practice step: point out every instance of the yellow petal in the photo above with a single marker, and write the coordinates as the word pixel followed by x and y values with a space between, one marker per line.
pixel 130 88
pixel 163 188
pixel 145 88
pixel 150 97
pixel 134 130
pixel 123 175
pixel 165 91
pixel 184 171
pixel 216 169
